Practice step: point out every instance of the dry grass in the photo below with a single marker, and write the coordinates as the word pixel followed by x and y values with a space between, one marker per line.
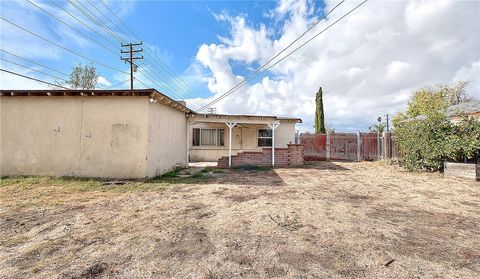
pixel 341 220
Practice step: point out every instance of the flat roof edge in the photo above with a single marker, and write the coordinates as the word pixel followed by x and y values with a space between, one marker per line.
pixel 151 92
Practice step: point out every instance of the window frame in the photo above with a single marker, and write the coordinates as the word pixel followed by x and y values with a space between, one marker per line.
pixel 259 137
pixel 217 134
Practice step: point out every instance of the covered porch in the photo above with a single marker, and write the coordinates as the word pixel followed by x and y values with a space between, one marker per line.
pixel 213 136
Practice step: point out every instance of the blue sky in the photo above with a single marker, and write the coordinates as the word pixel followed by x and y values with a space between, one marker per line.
pixel 368 65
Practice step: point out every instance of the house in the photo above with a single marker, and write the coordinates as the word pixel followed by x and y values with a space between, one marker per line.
pixel 130 134
pixel 469 109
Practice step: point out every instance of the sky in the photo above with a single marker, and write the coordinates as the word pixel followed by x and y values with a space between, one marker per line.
pixel 368 64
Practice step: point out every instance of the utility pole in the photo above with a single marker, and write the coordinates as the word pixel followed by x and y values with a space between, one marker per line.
pixel 212 110
pixel 131 51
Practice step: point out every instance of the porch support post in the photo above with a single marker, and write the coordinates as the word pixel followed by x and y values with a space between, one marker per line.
pixel 230 126
pixel 273 126
pixel 188 141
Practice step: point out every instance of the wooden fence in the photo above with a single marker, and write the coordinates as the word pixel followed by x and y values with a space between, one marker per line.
pixel 349 146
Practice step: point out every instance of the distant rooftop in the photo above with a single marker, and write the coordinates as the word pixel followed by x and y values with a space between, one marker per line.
pixel 464 108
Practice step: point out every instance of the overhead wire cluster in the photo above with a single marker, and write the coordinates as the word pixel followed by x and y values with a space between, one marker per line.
pixel 152 67
pixel 90 15
pixel 273 62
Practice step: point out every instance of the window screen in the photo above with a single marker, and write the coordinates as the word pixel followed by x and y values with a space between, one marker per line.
pixel 209 137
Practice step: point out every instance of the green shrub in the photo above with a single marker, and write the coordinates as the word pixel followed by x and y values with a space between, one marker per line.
pixel 425 144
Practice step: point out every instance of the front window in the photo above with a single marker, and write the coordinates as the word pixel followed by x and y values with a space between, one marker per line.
pixel 208 137
pixel 264 137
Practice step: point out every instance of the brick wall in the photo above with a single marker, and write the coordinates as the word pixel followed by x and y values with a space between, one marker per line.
pixel 290 156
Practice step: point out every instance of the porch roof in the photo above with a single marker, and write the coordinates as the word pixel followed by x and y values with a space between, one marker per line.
pixel 239 118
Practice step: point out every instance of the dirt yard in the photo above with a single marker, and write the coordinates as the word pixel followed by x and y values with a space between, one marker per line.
pixel 325 220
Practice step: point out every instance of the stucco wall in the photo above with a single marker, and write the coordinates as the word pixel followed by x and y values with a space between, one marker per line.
pixel 244 138
pixel 167 136
pixel 74 136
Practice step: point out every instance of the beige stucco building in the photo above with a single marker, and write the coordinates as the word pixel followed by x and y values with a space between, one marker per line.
pixel 121 133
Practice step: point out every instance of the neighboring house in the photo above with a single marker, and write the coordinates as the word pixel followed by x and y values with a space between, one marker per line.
pixel 456 112
pixel 469 109
pixel 121 133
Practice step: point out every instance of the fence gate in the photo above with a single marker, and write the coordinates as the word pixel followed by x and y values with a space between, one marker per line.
pixel 343 146
pixel 369 146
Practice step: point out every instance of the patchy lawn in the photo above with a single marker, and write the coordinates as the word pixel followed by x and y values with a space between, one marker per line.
pixel 323 220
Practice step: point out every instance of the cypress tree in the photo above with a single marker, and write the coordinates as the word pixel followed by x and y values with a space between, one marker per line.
pixel 319 115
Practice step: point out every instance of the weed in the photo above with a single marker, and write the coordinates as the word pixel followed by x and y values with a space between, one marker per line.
pixel 198 175
pixel 172 173
pixel 210 274
pixel 207 169
pixel 288 222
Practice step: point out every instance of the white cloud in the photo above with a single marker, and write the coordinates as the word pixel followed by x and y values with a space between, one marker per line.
pixel 368 64
pixel 102 81
pixel 397 70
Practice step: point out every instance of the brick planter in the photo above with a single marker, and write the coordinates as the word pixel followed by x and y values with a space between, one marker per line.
pixel 463 170
pixel 290 156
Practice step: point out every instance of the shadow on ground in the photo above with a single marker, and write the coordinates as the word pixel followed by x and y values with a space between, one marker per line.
pixel 324 165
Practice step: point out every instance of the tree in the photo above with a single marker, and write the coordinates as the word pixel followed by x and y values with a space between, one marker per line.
pixel 319 114
pixel 81 77
pixel 380 127
pixel 426 101
pixel 455 94
pixel 431 101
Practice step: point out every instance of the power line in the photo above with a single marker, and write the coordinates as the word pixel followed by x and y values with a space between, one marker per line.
pixel 98 10
pixel 146 86
pixel 166 84
pixel 62 47
pixel 153 75
pixel 84 24
pixel 117 84
pixel 281 59
pixel 33 62
pixel 152 79
pixel 32 69
pixel 165 68
pixel 96 20
pixel 78 31
pixel 239 85
pixel 27 77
